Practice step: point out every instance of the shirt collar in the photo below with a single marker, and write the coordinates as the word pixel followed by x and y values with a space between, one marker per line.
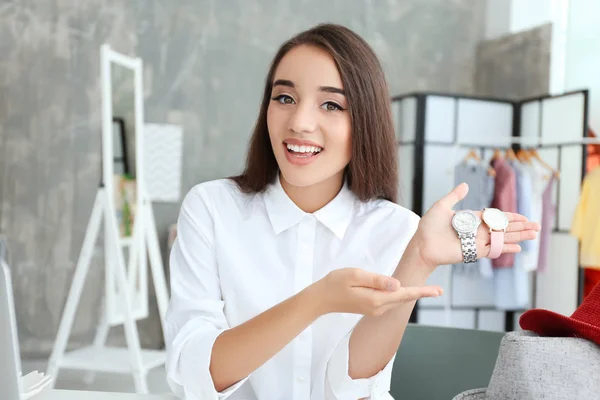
pixel 284 213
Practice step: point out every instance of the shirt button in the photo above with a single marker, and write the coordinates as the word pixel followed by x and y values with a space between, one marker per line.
pixel 301 379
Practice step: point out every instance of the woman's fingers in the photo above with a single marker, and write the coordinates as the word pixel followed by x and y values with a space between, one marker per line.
pixel 377 302
pixel 520 231
pixel 507 248
pixel 516 237
pixel 367 279
pixel 407 294
pixel 516 222
pixel 511 248
pixel 382 298
pixel 415 293
pixel 523 226
pixel 515 217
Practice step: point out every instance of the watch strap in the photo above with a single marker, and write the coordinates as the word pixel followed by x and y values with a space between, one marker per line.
pixel 496 244
pixel 468 247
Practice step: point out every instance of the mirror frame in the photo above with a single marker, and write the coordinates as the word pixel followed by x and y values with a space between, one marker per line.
pixel 137 242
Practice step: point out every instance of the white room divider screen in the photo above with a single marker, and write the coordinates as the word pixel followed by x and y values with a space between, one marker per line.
pixel 559 124
pixel 435 131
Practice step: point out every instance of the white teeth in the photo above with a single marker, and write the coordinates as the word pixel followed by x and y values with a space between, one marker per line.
pixel 304 149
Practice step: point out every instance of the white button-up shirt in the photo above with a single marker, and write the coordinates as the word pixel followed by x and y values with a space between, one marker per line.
pixel 237 255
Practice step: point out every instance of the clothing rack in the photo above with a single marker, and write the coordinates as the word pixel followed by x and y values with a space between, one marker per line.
pixel 529 143
pixel 413 137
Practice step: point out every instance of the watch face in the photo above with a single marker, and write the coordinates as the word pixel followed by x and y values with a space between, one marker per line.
pixel 495 219
pixel 465 221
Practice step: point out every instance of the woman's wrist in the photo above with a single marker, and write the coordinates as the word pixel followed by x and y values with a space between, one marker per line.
pixel 413 269
pixel 313 301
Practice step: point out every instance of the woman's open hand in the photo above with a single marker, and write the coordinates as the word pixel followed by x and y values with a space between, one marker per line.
pixel 357 291
pixel 438 243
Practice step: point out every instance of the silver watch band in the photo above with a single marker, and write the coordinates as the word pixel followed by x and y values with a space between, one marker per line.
pixel 469 249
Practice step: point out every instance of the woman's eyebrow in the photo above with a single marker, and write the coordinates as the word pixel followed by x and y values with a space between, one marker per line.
pixel 283 82
pixel 331 89
pixel 326 89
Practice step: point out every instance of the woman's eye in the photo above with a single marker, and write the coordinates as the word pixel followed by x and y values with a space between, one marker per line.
pixel 331 106
pixel 284 99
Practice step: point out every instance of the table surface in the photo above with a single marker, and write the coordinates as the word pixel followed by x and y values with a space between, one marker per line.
pixel 55 394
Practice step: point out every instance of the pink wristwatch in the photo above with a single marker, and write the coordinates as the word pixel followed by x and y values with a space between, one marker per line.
pixel 497 221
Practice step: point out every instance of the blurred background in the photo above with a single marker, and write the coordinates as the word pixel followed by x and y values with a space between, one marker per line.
pixel 204 64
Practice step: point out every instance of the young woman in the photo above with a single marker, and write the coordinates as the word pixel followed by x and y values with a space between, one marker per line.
pixel 296 279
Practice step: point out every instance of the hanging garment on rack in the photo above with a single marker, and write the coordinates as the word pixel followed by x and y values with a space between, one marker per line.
pixel 512 284
pixel 592 158
pixel 524 195
pixel 481 192
pixel 539 180
pixel 505 198
pixel 591 274
pixel 547 223
pixel 586 223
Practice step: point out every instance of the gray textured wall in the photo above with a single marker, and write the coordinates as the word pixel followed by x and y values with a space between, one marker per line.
pixel 515 66
pixel 205 63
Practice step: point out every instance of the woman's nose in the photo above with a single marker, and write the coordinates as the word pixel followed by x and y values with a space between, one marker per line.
pixel 304 119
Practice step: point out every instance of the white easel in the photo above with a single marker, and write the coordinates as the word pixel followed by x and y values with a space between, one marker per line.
pixel 124 302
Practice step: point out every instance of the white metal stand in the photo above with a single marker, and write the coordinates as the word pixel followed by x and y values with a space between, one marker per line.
pixel 126 289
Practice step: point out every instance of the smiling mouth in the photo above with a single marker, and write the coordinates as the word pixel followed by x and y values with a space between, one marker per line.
pixel 303 151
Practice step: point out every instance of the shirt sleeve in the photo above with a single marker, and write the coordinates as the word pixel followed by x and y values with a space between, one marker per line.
pixel 195 317
pixel 340 386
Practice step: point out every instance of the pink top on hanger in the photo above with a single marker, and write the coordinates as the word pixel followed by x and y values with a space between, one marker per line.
pixel 548 215
pixel 505 199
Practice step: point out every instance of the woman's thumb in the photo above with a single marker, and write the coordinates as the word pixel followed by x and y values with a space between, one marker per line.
pixel 383 282
pixel 456 195
pixel 374 280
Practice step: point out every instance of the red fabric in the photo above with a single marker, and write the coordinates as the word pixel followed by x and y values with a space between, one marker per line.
pixel 591 279
pixel 505 199
pixel 583 323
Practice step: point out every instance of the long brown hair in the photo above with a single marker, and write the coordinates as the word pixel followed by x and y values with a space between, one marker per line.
pixel 372 171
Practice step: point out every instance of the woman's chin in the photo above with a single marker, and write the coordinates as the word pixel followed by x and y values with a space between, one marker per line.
pixel 305 178
pixel 300 179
